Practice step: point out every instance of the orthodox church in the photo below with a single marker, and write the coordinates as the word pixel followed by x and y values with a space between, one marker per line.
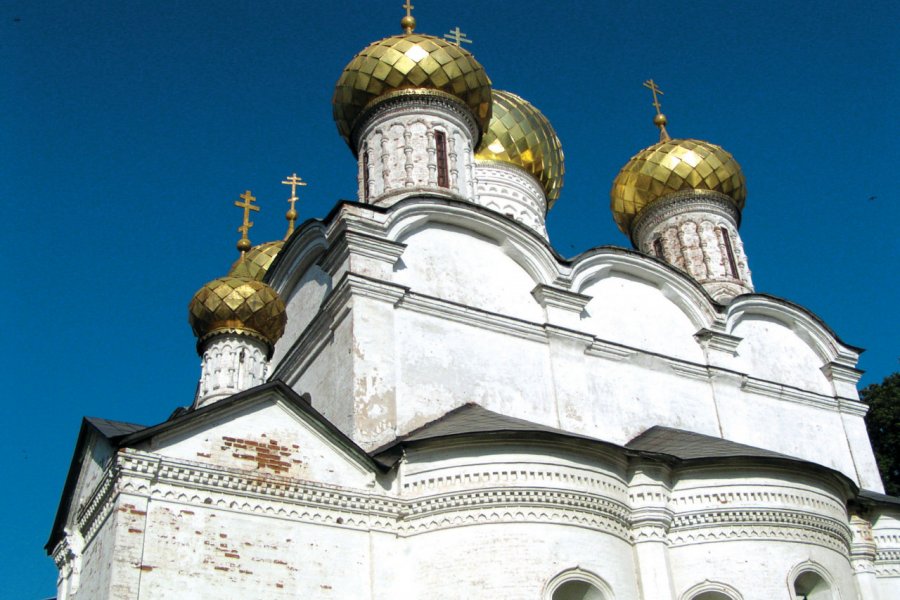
pixel 417 396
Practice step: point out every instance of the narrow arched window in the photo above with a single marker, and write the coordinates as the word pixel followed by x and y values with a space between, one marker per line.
pixel 732 263
pixel 658 248
pixel 365 170
pixel 440 147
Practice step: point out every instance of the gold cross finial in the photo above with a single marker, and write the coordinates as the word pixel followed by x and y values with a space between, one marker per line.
pixel 408 23
pixel 291 214
pixel 457 37
pixel 660 119
pixel 244 243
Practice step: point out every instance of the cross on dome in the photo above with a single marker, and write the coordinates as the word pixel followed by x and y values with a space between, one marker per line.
pixel 244 243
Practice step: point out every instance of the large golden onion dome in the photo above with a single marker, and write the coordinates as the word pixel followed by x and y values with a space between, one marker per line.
pixel 410 63
pixel 237 304
pixel 521 135
pixel 673 166
pixel 256 262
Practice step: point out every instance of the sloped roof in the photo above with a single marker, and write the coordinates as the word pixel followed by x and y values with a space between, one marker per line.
pixel 113 429
pixel 687 445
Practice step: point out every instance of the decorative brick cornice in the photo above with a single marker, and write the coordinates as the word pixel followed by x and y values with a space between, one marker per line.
pixel 704 201
pixel 417 102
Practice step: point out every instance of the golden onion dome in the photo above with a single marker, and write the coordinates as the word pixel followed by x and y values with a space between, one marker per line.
pixel 237 304
pixel 521 135
pixel 256 262
pixel 410 63
pixel 673 166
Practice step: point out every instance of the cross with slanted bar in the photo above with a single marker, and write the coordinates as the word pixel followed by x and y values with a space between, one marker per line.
pixel 457 37
pixel 247 205
pixel 651 85
pixel 291 214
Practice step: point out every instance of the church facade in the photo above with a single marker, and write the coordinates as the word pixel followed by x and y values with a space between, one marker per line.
pixel 418 396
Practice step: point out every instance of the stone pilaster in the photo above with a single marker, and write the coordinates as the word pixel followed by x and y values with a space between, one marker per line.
pixel 648 492
pixel 862 557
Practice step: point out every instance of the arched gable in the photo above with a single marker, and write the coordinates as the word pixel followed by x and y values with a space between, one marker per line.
pixel 639 303
pixel 784 343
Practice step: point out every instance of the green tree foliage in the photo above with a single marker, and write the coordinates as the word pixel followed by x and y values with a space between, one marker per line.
pixel 883 423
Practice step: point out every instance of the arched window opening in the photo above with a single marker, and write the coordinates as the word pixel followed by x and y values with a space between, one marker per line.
pixel 658 248
pixel 365 174
pixel 732 263
pixel 811 586
pixel 577 590
pixel 711 596
pixel 440 146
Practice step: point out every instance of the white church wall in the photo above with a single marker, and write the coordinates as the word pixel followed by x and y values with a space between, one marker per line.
pixel 93 570
pixel 861 452
pixel 302 304
pixel 757 569
pixel 771 350
pixel 443 364
pixel 886 531
pixel 268 439
pixel 751 532
pixel 327 376
pixel 784 426
pixel 625 397
pixel 444 566
pixel 194 552
pixel 459 266
pixel 633 311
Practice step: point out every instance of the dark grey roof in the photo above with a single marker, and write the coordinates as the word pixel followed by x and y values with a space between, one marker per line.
pixel 880 498
pixel 686 445
pixel 472 418
pixel 113 429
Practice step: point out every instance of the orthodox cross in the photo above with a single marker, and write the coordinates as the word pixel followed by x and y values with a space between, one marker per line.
pixel 244 243
pixel 660 119
pixel 457 37
pixel 651 85
pixel 291 214
pixel 408 23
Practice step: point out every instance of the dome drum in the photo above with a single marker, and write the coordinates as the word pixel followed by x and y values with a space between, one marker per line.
pixel 513 192
pixel 678 203
pixel 418 141
pixel 431 103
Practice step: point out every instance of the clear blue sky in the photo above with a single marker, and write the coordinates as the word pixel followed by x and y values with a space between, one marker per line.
pixel 129 128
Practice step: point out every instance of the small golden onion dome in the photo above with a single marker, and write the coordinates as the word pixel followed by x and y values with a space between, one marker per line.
pixel 255 263
pixel 521 135
pixel 237 304
pixel 409 63
pixel 672 166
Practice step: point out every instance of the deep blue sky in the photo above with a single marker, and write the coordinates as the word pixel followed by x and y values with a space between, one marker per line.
pixel 129 128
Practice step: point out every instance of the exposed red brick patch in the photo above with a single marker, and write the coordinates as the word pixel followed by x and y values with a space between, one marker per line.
pixel 135 531
pixel 279 585
pixel 146 568
pixel 204 454
pixel 221 568
pixel 186 512
pixel 223 535
pixel 138 512
pixel 232 555
pixel 266 455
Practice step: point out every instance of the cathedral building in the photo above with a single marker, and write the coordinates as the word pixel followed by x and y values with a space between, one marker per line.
pixel 417 396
